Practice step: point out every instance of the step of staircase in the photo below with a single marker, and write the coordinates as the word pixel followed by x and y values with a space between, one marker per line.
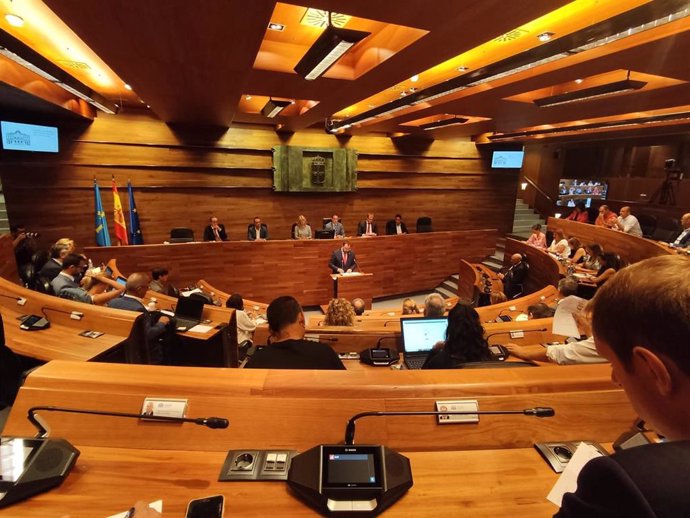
pixel 449 287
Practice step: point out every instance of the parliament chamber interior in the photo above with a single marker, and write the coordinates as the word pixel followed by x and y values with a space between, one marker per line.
pixel 492 159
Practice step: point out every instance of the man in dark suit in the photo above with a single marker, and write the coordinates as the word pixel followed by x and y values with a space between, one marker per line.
pixel 367 227
pixel 396 226
pixel 53 265
pixel 514 276
pixel 343 260
pixel 257 231
pixel 215 231
pixel 682 240
pixel 641 324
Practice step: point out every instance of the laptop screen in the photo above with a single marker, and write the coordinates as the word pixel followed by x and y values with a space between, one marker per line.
pixel 421 334
pixel 189 307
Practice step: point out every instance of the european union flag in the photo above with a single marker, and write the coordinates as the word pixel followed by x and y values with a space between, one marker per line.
pixel 102 235
pixel 135 235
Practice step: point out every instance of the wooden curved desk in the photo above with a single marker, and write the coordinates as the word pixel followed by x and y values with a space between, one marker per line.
pixel 264 270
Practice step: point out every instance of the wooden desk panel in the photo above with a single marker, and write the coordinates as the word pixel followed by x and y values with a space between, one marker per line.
pixel 265 270
pixel 547 295
pixel 630 248
pixel 106 481
pixel 8 264
pixel 544 269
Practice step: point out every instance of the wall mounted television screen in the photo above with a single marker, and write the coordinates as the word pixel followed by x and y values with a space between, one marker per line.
pixel 571 191
pixel 29 137
pixel 507 159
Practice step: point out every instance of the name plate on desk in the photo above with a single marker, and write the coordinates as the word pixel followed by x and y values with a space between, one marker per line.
pixel 164 407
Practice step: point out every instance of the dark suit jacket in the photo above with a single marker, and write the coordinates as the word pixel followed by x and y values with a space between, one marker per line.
pixel 208 233
pixel 251 232
pixel 50 269
pixel 649 481
pixel 683 242
pixel 515 275
pixel 362 228
pixel 337 260
pixel 391 230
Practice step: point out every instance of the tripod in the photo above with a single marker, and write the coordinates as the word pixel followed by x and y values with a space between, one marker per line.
pixel 666 194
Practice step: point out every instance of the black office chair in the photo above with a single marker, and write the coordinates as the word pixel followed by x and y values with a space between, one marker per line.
pixel 181 235
pixel 42 285
pixel 667 228
pixel 292 231
pixel 424 224
pixel 648 224
pixel 493 365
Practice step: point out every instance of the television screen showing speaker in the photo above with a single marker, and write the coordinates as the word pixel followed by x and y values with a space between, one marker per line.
pixel 29 137
pixel 507 159
pixel 571 191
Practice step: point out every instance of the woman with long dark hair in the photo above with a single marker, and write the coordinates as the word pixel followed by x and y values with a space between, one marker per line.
pixel 464 341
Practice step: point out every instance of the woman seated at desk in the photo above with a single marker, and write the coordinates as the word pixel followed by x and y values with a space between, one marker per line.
pixel 537 238
pixel 245 325
pixel 464 342
pixel 591 260
pixel 559 245
pixel 577 251
pixel 302 230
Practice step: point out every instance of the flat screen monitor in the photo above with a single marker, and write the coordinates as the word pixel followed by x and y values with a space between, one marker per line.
pixel 29 137
pixel 507 159
pixel 571 191
pixel 421 334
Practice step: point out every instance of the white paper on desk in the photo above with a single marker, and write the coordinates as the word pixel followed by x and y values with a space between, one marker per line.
pixel 157 505
pixel 200 328
pixel 567 482
pixel 354 274
pixel 563 321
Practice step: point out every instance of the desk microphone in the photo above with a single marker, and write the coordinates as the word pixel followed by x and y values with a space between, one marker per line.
pixel 43 430
pixel 385 324
pixel 516 331
pixel 536 412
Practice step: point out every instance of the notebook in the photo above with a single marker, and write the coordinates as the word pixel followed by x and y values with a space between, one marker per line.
pixel 188 312
pixel 419 335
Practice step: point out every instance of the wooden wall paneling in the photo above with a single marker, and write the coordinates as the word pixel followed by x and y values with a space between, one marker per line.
pixel 262 271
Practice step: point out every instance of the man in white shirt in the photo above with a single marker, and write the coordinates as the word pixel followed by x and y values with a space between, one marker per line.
pixel 628 223
pixel 683 239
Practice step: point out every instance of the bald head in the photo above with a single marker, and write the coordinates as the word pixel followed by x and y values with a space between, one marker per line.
pixel 515 258
pixel 137 284
pixel 685 220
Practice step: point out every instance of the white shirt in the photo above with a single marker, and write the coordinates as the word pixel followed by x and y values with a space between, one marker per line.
pixel 582 351
pixel 630 225
pixel 398 229
pixel 681 237
pixel 245 326
pixel 563 242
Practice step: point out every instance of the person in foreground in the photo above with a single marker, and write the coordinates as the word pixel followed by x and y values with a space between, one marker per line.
pixel 288 349
pixel 464 341
pixel 641 324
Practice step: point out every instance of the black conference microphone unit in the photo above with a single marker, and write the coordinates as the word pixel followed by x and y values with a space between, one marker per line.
pixel 349 480
pixel 499 351
pixel 378 356
pixel 43 462
pixel 516 331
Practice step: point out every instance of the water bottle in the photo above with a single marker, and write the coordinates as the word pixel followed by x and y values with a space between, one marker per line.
pixel 151 306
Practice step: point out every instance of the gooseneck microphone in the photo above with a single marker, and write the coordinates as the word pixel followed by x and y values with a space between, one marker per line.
pixel 516 331
pixel 536 412
pixel 42 427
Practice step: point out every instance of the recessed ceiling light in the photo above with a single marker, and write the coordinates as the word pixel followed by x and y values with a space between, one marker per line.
pixel 276 27
pixel 463 68
pixel 545 36
pixel 414 78
pixel 578 81
pixel 14 20
pixel 247 97
pixel 127 87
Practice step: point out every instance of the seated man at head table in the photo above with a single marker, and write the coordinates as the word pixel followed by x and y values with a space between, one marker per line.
pixel 71 283
pixel 215 231
pixel 396 226
pixel 570 353
pixel 336 226
pixel 434 306
pixel 368 227
pixel 628 223
pixel 257 231
pixel 683 238
pixel 287 348
pixel 641 324
pixel 343 260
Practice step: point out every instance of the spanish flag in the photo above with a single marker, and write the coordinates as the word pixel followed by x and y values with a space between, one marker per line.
pixel 119 218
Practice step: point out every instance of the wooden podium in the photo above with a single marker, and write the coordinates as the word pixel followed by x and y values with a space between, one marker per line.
pixel 353 285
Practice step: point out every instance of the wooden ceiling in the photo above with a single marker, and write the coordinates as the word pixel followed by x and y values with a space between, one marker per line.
pixel 214 62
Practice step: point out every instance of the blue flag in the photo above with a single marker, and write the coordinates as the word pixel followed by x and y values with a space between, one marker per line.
pixel 102 235
pixel 135 235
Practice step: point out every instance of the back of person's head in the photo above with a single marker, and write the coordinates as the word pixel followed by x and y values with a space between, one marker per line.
pixel 574 243
pixel 465 335
pixel 612 260
pixel 136 283
pixel 647 305
pixel 595 249
pixel 235 302
pixel 66 241
pixel 72 260
pixel 282 312
pixel 58 251
pixel 159 272
pixel 339 313
pixel 568 286
pixel 409 307
pixel 557 235
pixel 539 310
pixel 359 306
pixel 580 205
pixel 434 305
pixel 497 297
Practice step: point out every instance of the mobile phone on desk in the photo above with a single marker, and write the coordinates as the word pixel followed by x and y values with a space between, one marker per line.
pixel 209 507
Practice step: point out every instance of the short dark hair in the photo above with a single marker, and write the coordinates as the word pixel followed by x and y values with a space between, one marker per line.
pixel 536 226
pixel 282 312
pixel 235 302
pixel 159 272
pixel 398 216
pixel 568 286
pixel 72 260
pixel 540 310
pixel 596 249
pixel 57 249
pixel 581 205
pixel 648 305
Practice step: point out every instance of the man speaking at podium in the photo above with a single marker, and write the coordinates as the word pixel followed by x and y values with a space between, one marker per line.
pixel 343 260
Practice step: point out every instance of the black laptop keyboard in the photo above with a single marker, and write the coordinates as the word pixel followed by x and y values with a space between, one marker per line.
pixel 415 362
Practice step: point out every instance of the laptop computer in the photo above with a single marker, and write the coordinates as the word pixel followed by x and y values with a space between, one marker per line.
pixel 419 335
pixel 188 312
